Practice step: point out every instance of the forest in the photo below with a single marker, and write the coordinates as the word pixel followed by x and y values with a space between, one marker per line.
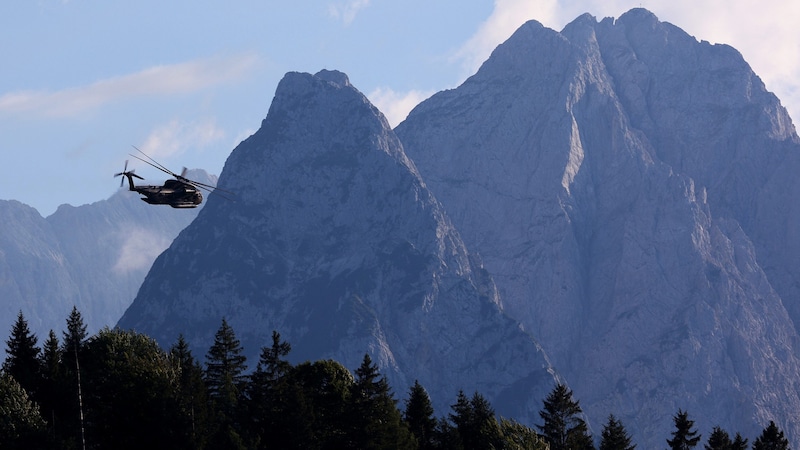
pixel 118 389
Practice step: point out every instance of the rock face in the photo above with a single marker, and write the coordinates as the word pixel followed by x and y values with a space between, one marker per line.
pixel 634 195
pixel 335 242
pixel 93 257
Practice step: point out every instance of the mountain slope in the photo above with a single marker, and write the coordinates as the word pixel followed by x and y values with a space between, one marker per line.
pixel 619 180
pixel 93 257
pixel 336 243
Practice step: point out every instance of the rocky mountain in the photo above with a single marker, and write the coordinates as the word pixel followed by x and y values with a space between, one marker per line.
pixel 93 257
pixel 335 242
pixel 633 193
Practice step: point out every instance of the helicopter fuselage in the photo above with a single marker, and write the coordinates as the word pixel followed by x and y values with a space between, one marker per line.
pixel 179 192
pixel 174 193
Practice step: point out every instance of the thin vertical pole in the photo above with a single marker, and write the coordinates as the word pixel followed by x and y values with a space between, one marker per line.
pixel 80 397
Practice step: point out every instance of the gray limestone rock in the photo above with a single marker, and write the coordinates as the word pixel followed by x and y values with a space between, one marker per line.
pixel 627 187
pixel 336 243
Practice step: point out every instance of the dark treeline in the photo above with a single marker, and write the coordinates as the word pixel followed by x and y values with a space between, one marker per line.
pixel 119 389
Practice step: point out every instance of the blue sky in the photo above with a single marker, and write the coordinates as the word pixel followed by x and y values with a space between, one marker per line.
pixel 83 80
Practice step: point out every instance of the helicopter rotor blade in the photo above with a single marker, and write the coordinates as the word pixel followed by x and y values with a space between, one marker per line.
pixel 154 163
pixel 157 167
pixel 207 186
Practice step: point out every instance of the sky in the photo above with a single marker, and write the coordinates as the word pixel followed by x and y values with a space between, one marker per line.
pixel 83 81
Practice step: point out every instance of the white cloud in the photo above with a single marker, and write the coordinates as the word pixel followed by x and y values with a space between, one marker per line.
pixel 159 80
pixel 396 105
pixel 139 249
pixel 176 137
pixel 346 11
pixel 508 15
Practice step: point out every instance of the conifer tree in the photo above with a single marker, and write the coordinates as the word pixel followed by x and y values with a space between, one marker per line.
pixel 419 416
pixel 191 394
pixel 475 422
pixel 771 438
pixel 739 443
pixel 71 348
pixel 614 436
pixel 225 365
pixel 269 393
pixel 51 396
pixel 22 356
pixel 719 440
pixel 272 363
pixel 225 380
pixel 684 437
pixel 76 334
pixel 374 418
pixel 51 357
pixel 563 427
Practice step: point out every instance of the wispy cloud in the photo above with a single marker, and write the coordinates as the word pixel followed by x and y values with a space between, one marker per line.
pixel 507 16
pixel 176 137
pixel 396 105
pixel 172 79
pixel 346 11
pixel 139 249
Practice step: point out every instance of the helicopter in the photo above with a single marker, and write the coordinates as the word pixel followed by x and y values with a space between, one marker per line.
pixel 178 193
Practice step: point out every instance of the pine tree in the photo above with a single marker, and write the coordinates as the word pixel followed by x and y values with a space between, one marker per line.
pixel 563 426
pixel 719 440
pixel 771 438
pixel 225 365
pixel 51 395
pixel 22 357
pixel 76 334
pixel 51 357
pixel 739 443
pixel 272 363
pixel 374 418
pixel 419 416
pixel 683 438
pixel 614 436
pixel 71 348
pixel 475 422
pixel 269 394
pixel 225 380
pixel 191 394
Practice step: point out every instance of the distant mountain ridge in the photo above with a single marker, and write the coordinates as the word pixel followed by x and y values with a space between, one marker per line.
pixel 93 257
pixel 629 190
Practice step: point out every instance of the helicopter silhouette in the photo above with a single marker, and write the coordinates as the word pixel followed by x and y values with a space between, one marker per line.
pixel 178 193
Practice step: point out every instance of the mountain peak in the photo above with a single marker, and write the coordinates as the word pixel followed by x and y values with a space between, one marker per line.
pixel 338 245
pixel 334 76
pixel 623 171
